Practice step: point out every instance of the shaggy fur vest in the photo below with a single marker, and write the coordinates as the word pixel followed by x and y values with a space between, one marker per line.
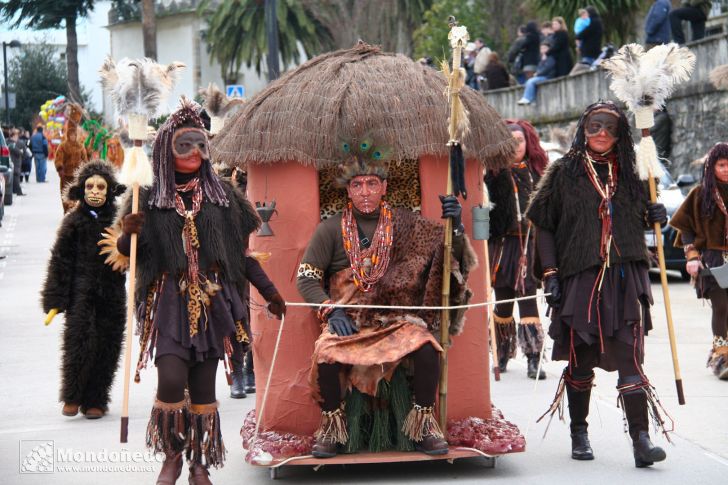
pixel 503 215
pixel 709 232
pixel 223 234
pixel 567 204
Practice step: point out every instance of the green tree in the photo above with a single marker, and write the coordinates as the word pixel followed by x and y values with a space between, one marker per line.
pixel 618 16
pixel 236 33
pixel 49 14
pixel 36 76
pixel 431 38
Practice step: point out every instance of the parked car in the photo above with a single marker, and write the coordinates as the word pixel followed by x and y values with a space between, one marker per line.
pixel 6 172
pixel 672 193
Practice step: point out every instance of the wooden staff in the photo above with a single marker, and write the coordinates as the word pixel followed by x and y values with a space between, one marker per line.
pixel 136 172
pixel 663 279
pixel 456 80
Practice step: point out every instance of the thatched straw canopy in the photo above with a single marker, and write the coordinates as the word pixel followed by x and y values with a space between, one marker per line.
pixel 305 114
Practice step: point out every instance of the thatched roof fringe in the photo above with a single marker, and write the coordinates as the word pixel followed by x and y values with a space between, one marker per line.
pixel 349 93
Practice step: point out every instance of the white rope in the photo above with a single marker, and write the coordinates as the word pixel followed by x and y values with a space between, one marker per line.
pixel 412 307
pixel 259 415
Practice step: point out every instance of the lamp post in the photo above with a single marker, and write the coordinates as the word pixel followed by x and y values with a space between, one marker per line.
pixel 12 43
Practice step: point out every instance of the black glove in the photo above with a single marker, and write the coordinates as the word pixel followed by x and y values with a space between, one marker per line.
pixel 340 323
pixel 277 306
pixel 656 213
pixel 452 209
pixel 132 223
pixel 551 285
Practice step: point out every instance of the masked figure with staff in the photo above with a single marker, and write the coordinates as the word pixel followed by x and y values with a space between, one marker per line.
pixel 590 212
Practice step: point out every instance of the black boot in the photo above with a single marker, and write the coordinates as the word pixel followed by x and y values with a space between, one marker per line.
pixel 635 409
pixel 237 389
pixel 249 382
pixel 578 411
pixel 533 370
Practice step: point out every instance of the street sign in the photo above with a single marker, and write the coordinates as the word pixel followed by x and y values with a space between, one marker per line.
pixel 235 90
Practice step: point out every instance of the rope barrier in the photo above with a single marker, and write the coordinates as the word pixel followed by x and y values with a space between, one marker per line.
pixel 412 307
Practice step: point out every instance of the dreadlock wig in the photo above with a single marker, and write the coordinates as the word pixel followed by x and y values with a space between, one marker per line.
pixel 708 181
pixel 624 148
pixel 163 160
pixel 537 157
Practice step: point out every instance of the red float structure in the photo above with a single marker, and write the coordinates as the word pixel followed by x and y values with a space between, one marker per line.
pixel 287 138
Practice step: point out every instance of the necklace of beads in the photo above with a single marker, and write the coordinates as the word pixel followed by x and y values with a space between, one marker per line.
pixel 368 265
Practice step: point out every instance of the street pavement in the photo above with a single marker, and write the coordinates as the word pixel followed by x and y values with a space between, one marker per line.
pixel 31 422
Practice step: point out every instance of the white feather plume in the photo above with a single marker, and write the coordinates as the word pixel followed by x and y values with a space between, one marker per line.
pixel 719 77
pixel 645 79
pixel 139 85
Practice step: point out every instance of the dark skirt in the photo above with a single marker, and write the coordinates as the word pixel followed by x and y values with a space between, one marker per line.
pixel 172 326
pixel 704 284
pixel 622 303
pixel 505 254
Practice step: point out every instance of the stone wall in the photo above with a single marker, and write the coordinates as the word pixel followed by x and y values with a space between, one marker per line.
pixel 699 111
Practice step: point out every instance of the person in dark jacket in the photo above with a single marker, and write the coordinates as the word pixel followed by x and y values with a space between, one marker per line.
pixel 27 156
pixel 523 55
pixel 17 151
pixel 657 24
pixel 496 74
pixel 559 49
pixel 39 147
pixel 694 11
pixel 591 37
pixel 546 70
pixel 662 133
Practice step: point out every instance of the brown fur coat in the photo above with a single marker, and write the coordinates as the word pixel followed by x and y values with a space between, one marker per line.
pixel 708 231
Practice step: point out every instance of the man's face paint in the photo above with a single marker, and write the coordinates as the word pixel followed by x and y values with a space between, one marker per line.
pixel 601 131
pixel 94 191
pixel 189 147
pixel 366 191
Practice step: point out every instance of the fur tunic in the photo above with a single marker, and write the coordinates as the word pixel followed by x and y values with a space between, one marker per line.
pixel 709 232
pixel 500 188
pixel 567 204
pixel 223 234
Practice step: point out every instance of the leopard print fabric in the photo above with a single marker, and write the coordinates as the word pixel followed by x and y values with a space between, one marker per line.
pixel 403 188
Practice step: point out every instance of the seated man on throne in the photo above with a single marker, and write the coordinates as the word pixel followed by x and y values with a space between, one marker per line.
pixel 373 254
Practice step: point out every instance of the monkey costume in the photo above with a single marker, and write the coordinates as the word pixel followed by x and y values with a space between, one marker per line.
pixel 89 292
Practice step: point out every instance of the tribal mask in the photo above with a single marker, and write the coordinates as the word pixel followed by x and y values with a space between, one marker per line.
pixel 94 191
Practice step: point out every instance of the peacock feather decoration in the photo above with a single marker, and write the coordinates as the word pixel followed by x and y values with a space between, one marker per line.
pixel 363 157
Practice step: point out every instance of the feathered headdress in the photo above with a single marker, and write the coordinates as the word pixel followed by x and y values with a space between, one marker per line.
pixel 218 106
pixel 644 81
pixel 362 157
pixel 139 86
pixel 719 77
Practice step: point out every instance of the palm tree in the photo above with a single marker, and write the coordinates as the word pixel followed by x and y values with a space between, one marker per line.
pixel 149 29
pixel 48 14
pixel 236 33
pixel 618 16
